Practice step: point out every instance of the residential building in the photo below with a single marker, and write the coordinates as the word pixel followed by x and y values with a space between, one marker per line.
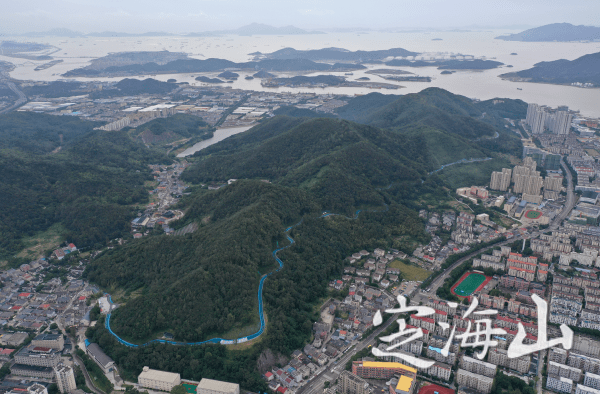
pixel 209 386
pixel 581 389
pixel 65 379
pixel 32 371
pixel 557 383
pixel 478 366
pixel 349 383
pixel 383 370
pixel 501 180
pixel 52 341
pixel 37 388
pixel 38 356
pixel 591 380
pixel 158 380
pixel 563 370
pixel 474 381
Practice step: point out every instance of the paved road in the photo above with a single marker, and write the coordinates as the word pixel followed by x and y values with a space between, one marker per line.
pixel 22 99
pixel 569 204
pixel 88 379
pixel 317 384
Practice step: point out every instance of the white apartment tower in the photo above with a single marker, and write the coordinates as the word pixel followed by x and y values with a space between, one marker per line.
pixel 65 378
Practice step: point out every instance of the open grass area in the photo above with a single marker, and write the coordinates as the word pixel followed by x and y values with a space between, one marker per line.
pixel 246 345
pixel 476 173
pixel 410 272
pixel 36 245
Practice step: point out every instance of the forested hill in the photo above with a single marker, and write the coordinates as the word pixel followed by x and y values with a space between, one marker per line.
pixel 340 161
pixel 585 69
pixel 432 107
pixel 442 127
pixel 561 32
pixel 38 133
pixel 88 187
pixel 288 170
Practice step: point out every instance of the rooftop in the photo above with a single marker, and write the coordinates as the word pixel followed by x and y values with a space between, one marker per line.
pixel 217 385
pixel 154 374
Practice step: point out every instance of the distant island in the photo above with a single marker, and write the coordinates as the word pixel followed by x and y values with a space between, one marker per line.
pixel 437 39
pixel 228 75
pixel 334 54
pixel 144 63
pixel 248 30
pixel 389 71
pixel 254 29
pixel 208 80
pixel 264 74
pixel 562 32
pixel 583 71
pixel 26 50
pixel 322 81
pixel 452 64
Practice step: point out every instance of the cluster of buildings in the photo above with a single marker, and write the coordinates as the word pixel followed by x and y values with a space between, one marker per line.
pixel 168 192
pixel 154 379
pixel 208 102
pixel 368 268
pixel 30 300
pixel 542 118
pixel 569 306
pixel 466 230
pixel 528 184
pixel 577 369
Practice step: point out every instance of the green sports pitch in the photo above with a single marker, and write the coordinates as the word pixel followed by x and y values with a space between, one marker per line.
pixel 469 284
pixel 533 214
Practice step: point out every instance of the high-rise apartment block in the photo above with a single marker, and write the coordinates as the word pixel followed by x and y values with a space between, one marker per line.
pixel 501 180
pixel 536 118
pixel 65 378
pixel 541 118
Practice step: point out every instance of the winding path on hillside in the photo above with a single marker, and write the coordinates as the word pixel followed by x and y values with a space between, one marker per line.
pixel 261 314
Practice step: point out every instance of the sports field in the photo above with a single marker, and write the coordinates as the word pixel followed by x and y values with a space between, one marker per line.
pixel 435 389
pixel 469 283
pixel 531 214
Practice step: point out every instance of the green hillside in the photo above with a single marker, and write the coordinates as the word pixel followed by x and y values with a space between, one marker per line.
pixel 88 186
pixel 288 170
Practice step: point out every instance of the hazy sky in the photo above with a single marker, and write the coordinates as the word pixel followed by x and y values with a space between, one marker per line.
pixel 198 15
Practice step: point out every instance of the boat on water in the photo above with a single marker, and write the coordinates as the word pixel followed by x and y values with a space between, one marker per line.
pixel 349 74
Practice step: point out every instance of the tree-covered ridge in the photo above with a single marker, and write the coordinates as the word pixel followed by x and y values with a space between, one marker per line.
pixel 165 131
pixel 585 69
pixel 435 108
pixel 88 186
pixel 441 127
pixel 340 161
pixel 40 133
pixel 203 285
pixel 212 275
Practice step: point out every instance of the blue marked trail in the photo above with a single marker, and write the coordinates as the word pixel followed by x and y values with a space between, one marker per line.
pixel 260 297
